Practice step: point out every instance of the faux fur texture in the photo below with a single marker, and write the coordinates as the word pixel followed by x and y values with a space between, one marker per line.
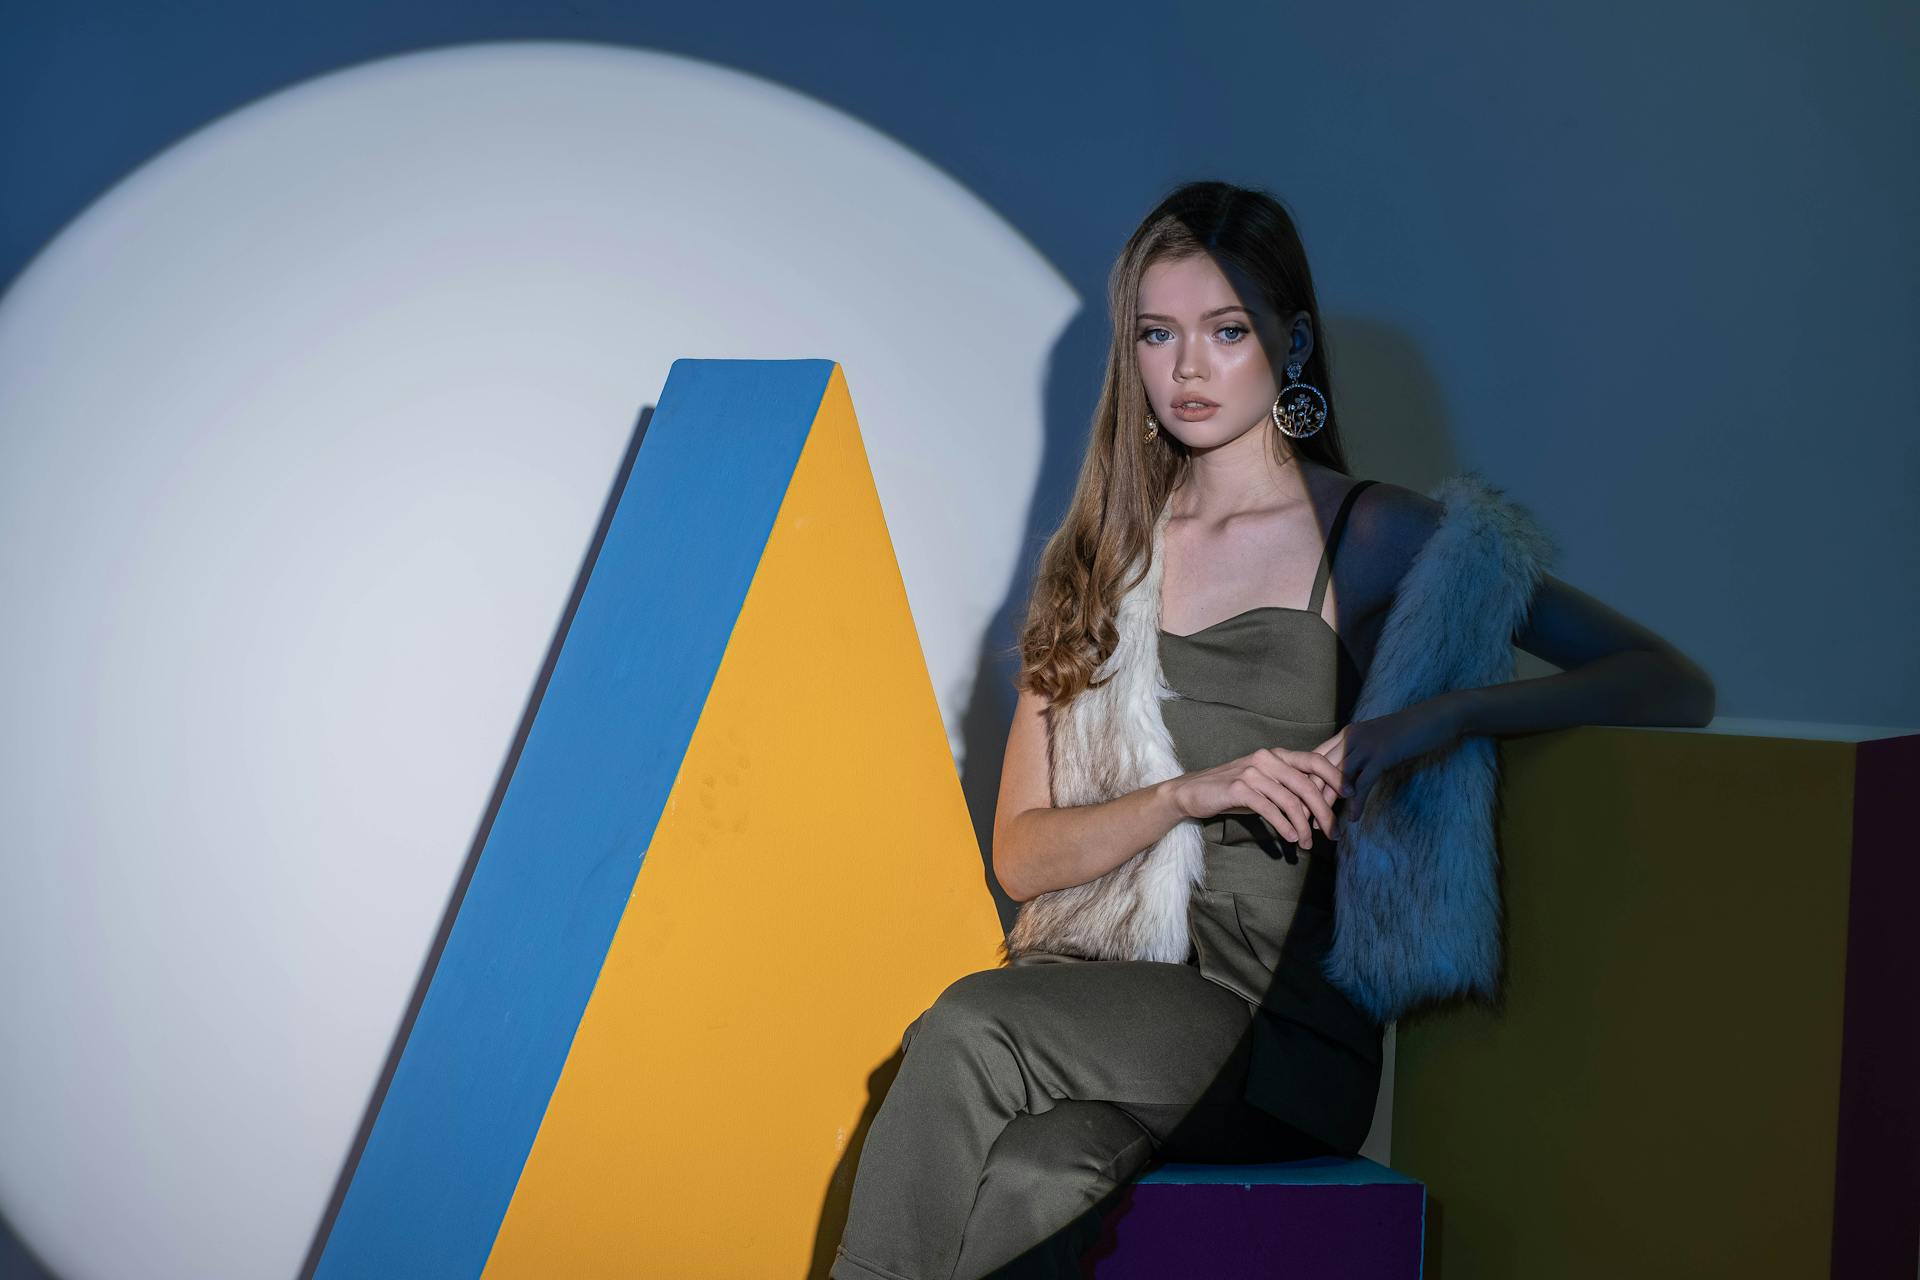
pixel 1104 743
pixel 1417 905
pixel 1418 912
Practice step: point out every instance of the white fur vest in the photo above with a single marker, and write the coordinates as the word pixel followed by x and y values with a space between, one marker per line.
pixel 1417 901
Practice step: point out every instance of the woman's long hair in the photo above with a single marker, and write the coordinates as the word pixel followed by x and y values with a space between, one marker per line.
pixel 1125 479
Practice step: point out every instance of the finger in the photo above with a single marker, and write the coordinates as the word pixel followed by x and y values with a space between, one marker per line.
pixel 1356 807
pixel 1261 803
pixel 1282 791
pixel 1327 790
pixel 1340 763
pixel 1312 791
pixel 1310 775
pixel 1349 812
pixel 1320 766
pixel 1275 817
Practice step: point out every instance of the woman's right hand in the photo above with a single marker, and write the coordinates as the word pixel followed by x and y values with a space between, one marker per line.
pixel 1293 790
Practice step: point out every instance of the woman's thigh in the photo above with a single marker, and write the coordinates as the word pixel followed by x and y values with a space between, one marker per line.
pixel 1121 1031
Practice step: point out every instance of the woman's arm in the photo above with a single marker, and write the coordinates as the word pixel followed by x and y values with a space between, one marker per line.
pixel 1613 670
pixel 1037 847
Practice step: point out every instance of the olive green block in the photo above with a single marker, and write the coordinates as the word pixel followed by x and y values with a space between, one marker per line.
pixel 1657 1096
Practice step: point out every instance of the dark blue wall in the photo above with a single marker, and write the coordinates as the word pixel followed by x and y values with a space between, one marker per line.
pixel 1515 210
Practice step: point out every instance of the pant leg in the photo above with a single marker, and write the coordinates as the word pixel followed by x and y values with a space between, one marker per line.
pixel 1070 1165
pixel 1047 1179
pixel 1020 1039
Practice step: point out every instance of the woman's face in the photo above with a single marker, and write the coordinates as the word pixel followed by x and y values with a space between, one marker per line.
pixel 1198 336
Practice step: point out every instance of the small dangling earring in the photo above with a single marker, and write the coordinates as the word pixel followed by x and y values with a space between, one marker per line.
pixel 1153 426
pixel 1299 410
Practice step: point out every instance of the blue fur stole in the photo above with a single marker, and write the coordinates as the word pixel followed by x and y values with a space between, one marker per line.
pixel 1418 916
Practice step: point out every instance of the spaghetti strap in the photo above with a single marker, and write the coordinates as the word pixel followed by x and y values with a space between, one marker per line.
pixel 1333 545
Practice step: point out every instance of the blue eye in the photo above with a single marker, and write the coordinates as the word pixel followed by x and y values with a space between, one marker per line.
pixel 1146 335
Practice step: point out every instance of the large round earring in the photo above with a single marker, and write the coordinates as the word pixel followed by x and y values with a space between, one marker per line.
pixel 1153 426
pixel 1299 410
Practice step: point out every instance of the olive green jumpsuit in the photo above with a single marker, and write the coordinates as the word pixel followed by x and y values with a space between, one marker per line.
pixel 1030 1095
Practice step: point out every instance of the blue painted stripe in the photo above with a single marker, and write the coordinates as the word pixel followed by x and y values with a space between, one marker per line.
pixel 461 1114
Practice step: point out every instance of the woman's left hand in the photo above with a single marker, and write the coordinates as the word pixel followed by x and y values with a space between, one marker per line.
pixel 1365 749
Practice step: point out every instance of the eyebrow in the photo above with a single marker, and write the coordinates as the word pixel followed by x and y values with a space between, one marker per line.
pixel 1148 315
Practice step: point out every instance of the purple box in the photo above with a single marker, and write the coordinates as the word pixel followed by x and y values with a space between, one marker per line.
pixel 1326 1216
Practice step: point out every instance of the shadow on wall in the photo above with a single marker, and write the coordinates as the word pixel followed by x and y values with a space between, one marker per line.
pixel 1392 423
pixel 15 1262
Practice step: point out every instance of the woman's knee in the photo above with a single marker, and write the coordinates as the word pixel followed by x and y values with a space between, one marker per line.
pixel 961 1012
pixel 1082 1145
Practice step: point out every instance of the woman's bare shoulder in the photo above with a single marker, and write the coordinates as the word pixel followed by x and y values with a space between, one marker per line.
pixel 1391 523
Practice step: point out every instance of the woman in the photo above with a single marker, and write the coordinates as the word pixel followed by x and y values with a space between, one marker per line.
pixel 1030 1095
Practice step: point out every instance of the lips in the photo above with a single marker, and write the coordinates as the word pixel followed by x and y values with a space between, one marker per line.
pixel 1202 401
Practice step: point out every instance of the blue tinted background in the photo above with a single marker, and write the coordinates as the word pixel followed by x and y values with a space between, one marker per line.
pixel 1651 267
pixel 1516 214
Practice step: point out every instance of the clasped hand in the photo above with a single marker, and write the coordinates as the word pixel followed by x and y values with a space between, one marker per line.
pixel 1295 791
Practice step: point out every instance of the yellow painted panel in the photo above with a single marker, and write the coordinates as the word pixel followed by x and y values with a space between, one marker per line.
pixel 813 885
